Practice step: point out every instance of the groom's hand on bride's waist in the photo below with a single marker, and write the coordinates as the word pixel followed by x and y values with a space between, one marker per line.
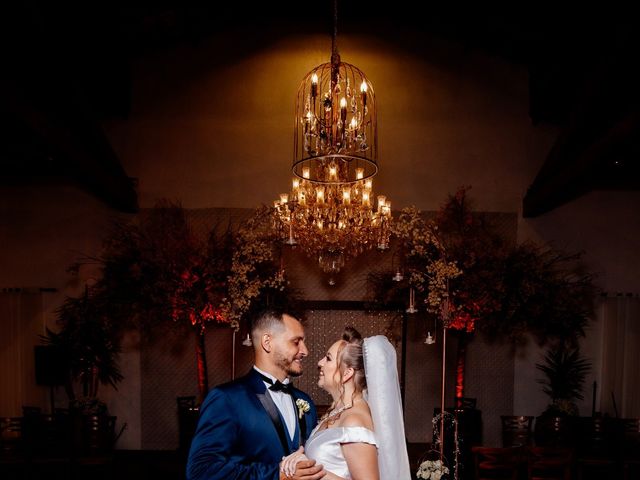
pixel 305 470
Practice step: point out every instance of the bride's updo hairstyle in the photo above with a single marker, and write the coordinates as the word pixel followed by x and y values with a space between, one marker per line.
pixel 350 356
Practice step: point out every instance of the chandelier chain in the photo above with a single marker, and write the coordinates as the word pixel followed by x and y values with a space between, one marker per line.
pixel 334 38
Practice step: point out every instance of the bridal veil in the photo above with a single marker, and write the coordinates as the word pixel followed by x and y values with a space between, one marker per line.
pixel 383 395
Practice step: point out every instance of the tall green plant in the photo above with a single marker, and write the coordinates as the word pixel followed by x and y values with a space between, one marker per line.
pixel 564 370
pixel 90 344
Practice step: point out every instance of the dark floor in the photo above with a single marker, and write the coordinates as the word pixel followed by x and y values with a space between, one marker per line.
pixel 122 465
pixel 170 465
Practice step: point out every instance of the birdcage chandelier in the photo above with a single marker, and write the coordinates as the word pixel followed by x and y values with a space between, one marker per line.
pixel 331 211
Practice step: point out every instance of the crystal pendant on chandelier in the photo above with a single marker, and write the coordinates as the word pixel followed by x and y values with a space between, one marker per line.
pixel 331 211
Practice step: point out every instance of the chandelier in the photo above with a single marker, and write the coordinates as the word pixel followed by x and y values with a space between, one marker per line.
pixel 331 211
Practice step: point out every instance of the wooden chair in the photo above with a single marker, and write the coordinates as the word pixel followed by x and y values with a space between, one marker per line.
pixel 11 439
pixel 497 463
pixel 12 454
pixel 630 448
pixel 517 430
pixel 188 414
pixel 557 432
pixel 50 446
pixel 549 463
pixel 595 443
pixel 94 456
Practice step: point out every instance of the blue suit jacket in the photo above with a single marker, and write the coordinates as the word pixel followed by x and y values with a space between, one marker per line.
pixel 240 433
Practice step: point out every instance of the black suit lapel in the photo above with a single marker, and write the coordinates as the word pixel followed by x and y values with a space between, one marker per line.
pixel 260 391
pixel 272 410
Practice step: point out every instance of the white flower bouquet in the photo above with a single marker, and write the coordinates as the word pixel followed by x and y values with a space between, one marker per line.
pixel 432 470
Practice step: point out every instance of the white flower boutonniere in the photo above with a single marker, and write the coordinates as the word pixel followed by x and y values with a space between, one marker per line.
pixel 303 407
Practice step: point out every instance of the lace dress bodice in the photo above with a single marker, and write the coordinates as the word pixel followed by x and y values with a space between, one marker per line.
pixel 324 446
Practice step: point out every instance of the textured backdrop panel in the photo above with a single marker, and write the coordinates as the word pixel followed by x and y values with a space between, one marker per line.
pixel 323 328
pixel 169 365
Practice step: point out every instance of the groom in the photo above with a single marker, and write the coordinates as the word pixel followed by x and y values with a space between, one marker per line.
pixel 247 426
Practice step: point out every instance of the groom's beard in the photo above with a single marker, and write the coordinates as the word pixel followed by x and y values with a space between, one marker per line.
pixel 291 366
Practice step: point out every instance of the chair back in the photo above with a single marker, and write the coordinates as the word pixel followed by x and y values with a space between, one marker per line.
pixel 517 430
pixel 11 439
pixel 50 436
pixel 188 414
pixel 631 438
pixel 493 463
pixel 551 463
pixel 554 432
pixel 595 436
pixel 98 434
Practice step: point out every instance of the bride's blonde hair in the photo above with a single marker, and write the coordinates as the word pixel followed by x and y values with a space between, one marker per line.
pixel 350 355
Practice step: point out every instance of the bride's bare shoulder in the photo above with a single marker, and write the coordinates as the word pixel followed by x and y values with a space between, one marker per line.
pixel 358 416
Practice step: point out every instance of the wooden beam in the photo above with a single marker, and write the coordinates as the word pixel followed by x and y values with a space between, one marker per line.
pixel 575 165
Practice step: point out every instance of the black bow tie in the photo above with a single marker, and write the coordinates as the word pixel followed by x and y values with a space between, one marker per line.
pixel 281 387
pixel 278 386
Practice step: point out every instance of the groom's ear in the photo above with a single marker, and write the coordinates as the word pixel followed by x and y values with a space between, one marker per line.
pixel 265 342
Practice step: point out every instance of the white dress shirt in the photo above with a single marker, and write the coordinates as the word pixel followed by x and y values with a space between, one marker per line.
pixel 284 403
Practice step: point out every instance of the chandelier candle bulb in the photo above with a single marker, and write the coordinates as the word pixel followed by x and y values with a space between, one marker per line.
pixel 359 171
pixel 343 109
pixel 307 122
pixel 363 90
pixel 306 172
pixel 365 199
pixel 381 202
pixel 320 196
pixel 284 198
pixel 346 197
pixel 296 184
pixel 314 86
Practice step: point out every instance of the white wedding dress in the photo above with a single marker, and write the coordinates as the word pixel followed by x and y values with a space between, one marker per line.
pixel 383 396
pixel 324 446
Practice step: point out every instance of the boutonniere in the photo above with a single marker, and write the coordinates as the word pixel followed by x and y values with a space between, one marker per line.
pixel 303 407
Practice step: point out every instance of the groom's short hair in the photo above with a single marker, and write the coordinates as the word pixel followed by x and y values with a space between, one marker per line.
pixel 267 319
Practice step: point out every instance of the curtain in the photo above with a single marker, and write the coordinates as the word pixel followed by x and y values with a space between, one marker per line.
pixel 21 321
pixel 620 393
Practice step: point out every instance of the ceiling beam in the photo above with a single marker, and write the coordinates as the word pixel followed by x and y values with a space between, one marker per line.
pixel 575 166
pixel 79 147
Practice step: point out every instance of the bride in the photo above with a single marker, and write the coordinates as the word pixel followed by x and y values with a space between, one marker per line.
pixel 362 435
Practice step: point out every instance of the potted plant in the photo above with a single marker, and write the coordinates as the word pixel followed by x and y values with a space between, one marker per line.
pixel 564 370
pixel 90 345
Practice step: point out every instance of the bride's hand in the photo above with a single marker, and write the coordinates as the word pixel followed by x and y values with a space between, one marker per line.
pixel 288 463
